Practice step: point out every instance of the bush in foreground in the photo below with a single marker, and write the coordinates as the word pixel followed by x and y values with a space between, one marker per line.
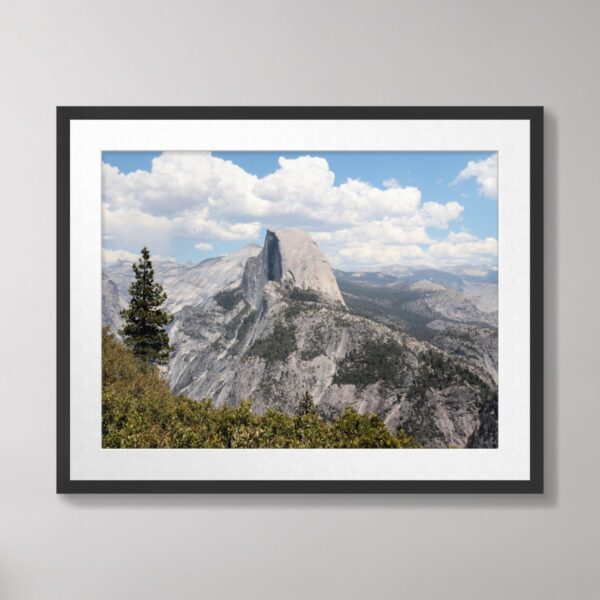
pixel 139 411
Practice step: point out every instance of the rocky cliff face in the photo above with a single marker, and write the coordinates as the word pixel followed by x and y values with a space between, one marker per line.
pixel 112 304
pixel 293 260
pixel 294 343
pixel 196 283
pixel 278 326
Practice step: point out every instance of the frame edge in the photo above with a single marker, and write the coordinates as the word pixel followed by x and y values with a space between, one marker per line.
pixel 64 483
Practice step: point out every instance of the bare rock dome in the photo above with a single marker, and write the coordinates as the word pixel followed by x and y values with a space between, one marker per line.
pixel 291 258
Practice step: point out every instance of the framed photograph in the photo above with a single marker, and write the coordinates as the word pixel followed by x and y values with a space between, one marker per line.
pixel 300 300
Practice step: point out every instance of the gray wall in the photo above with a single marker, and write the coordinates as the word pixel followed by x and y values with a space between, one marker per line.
pixel 281 52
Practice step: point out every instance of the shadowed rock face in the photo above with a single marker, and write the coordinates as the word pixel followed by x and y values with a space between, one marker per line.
pixel 272 258
pixel 290 257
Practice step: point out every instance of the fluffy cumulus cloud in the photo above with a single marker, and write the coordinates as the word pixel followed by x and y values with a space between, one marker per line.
pixel 461 248
pixel 203 200
pixel 485 173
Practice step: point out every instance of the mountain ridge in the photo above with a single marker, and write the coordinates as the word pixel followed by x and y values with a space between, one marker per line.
pixel 275 324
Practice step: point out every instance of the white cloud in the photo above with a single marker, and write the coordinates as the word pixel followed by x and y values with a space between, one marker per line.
pixel 113 256
pixel 303 189
pixel 456 249
pixel 385 231
pixel 196 196
pixel 134 227
pixel 439 215
pixel 203 246
pixel 461 236
pixel 392 182
pixel 306 177
pixel 375 254
pixel 485 172
pixel 183 181
pixel 464 248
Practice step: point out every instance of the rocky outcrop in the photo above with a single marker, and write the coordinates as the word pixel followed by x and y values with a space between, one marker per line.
pixel 112 304
pixel 194 284
pixel 478 345
pixel 292 259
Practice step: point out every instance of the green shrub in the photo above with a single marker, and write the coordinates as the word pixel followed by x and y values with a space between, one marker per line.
pixel 228 299
pixel 277 346
pixel 139 411
pixel 437 371
pixel 376 360
pixel 353 430
pixel 302 295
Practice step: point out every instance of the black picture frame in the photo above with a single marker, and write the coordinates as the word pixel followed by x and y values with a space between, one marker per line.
pixel 534 485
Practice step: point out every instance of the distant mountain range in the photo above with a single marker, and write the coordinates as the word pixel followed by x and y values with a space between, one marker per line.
pixel 416 346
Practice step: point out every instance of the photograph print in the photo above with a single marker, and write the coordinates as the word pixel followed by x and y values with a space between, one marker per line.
pixel 306 299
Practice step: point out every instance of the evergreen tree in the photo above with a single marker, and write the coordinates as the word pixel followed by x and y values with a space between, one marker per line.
pixel 306 406
pixel 144 331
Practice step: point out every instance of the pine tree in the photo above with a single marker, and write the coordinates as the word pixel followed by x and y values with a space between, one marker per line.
pixel 144 331
pixel 306 406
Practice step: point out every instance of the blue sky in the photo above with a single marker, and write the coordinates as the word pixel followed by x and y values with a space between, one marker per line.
pixel 186 204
